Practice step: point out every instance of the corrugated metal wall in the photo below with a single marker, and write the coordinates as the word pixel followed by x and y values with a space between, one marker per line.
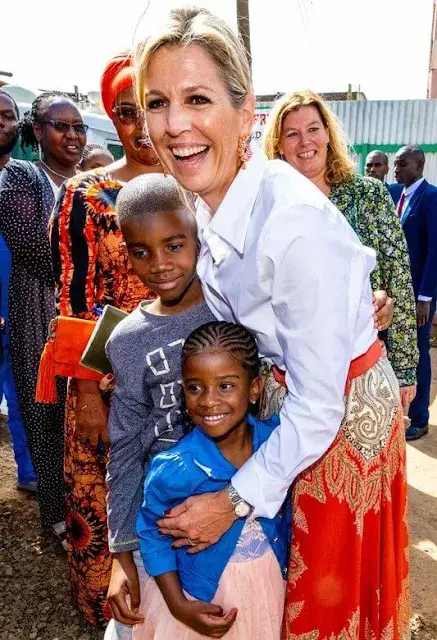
pixel 388 121
pixel 385 124
pixel 371 123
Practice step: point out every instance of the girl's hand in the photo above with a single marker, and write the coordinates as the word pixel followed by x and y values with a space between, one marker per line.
pixel 205 618
pixel 199 521
pixel 91 414
pixel 124 582
pixel 384 307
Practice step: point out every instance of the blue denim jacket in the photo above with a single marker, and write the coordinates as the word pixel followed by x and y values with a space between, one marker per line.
pixel 194 466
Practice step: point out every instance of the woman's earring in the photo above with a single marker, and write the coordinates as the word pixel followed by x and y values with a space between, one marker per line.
pixel 244 150
pixel 164 168
pixel 160 164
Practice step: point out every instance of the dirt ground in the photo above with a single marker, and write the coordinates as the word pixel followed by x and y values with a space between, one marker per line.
pixel 34 598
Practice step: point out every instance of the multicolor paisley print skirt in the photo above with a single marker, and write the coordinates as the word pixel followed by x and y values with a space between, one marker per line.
pixel 348 571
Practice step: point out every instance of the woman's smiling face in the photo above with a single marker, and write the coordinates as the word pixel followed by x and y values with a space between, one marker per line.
pixel 192 121
pixel 303 141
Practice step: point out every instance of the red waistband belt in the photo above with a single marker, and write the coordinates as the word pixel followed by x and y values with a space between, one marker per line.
pixel 357 368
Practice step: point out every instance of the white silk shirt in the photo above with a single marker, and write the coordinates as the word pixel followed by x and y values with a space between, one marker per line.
pixel 279 258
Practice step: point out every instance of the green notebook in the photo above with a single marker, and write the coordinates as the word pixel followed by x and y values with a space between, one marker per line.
pixel 94 355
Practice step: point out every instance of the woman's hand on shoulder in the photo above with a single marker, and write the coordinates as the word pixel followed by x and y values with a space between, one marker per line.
pixel 204 617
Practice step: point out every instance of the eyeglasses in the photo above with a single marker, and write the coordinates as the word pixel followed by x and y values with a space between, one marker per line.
pixel 127 114
pixel 63 127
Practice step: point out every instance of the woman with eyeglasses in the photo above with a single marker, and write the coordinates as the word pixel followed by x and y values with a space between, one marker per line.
pixel 92 269
pixel 54 127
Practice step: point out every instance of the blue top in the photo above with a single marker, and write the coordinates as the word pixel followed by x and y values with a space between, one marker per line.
pixel 194 466
pixel 5 272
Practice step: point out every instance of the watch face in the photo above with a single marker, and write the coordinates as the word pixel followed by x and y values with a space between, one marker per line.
pixel 242 510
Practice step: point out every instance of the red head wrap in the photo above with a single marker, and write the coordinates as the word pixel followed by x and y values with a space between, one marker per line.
pixel 118 75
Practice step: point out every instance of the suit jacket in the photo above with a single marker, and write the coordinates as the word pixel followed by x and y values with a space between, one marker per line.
pixel 395 190
pixel 419 222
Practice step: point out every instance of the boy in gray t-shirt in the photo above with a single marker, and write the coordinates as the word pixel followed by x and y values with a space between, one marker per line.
pixel 144 351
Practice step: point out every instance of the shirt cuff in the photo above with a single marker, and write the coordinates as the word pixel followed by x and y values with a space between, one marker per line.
pixel 424 298
pixel 129 545
pixel 406 377
pixel 247 484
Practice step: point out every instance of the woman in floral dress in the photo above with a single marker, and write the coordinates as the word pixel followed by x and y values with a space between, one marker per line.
pixel 92 269
pixel 304 132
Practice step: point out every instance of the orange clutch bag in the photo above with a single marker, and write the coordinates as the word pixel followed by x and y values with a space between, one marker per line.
pixel 67 340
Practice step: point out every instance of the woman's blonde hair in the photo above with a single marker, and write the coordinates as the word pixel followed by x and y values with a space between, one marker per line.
pixel 339 165
pixel 188 26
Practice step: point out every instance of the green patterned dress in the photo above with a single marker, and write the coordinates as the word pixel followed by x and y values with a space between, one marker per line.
pixel 369 209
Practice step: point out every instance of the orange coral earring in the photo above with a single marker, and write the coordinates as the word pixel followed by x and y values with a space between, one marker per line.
pixel 244 151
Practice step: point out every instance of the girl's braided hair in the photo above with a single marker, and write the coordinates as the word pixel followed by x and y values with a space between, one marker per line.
pixel 234 338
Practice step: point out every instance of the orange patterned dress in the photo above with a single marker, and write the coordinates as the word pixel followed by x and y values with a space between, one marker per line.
pixel 348 571
pixel 92 269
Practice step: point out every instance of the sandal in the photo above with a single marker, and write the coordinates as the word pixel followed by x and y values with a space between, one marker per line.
pixel 60 532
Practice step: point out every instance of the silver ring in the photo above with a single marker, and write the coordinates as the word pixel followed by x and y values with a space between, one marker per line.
pixel 191 543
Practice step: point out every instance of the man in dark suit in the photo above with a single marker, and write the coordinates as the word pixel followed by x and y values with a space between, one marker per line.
pixel 417 209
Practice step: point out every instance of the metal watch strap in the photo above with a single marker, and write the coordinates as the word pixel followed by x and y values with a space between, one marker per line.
pixel 237 501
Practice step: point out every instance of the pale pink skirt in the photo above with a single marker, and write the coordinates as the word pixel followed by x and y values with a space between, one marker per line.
pixel 256 588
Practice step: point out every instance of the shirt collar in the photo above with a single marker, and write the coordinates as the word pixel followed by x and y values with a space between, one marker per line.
pixel 413 187
pixel 231 219
pixel 211 460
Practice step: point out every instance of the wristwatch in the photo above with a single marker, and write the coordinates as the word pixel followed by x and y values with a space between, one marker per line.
pixel 241 508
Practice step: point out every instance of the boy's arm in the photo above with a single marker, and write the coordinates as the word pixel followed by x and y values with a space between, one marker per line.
pixel 124 582
pixel 125 472
pixel 127 418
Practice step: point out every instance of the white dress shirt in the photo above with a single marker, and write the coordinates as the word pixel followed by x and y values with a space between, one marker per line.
pixel 409 192
pixel 278 257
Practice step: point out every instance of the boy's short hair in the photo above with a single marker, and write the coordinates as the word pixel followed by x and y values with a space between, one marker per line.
pixel 151 193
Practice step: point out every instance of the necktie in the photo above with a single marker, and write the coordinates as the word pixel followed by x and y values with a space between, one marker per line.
pixel 401 204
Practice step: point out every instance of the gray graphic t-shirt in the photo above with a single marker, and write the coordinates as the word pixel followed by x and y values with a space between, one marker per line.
pixel 145 354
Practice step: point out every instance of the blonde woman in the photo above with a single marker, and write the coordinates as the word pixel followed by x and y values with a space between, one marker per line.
pixel 303 131
pixel 279 258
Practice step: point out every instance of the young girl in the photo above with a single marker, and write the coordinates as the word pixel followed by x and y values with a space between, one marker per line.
pixel 236 587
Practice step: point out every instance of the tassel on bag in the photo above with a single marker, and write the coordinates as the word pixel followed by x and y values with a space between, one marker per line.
pixel 68 338
pixel 46 382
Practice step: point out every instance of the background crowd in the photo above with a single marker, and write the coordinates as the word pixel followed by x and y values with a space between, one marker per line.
pixel 74 228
